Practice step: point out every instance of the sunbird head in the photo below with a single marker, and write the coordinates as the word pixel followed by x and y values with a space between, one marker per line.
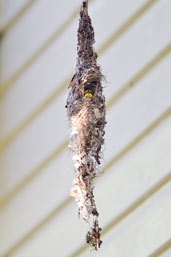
pixel 88 93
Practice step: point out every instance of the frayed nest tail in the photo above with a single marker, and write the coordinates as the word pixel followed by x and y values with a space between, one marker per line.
pixel 86 113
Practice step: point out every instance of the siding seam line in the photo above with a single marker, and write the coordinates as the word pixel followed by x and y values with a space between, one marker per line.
pixel 15 19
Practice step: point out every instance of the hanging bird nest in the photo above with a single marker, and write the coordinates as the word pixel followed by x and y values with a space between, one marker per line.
pixel 86 112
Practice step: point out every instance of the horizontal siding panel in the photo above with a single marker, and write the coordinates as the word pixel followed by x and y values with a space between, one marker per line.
pixel 137 47
pixel 40 22
pixel 123 184
pixel 47 74
pixel 143 231
pixel 9 9
pixel 131 115
pixel 38 82
pixel 45 193
pixel 34 145
pixel 54 239
pixel 138 109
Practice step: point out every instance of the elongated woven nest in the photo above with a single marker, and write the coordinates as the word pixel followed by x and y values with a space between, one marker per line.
pixel 86 113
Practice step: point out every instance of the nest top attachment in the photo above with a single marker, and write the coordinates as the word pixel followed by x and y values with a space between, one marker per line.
pixel 86 56
pixel 85 6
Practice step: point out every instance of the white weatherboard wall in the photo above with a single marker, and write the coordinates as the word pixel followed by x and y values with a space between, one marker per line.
pixel 133 195
pixel 9 9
